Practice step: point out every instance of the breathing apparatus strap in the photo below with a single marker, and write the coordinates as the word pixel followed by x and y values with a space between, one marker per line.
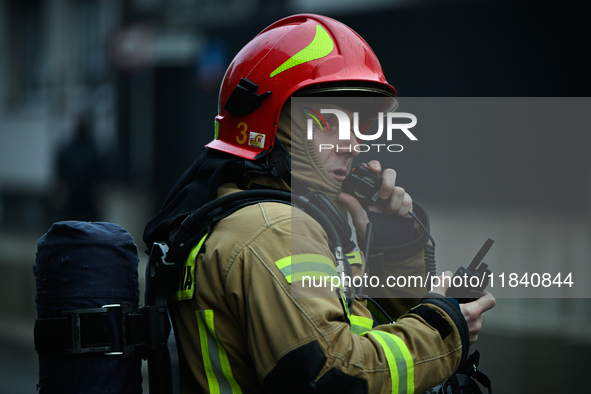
pixel 114 330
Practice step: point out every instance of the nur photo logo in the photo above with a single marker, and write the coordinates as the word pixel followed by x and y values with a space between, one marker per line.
pixel 387 124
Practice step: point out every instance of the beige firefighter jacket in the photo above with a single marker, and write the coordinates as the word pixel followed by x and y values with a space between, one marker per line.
pixel 243 326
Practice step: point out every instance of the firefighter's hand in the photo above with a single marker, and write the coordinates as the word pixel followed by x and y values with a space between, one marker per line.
pixel 394 200
pixel 473 311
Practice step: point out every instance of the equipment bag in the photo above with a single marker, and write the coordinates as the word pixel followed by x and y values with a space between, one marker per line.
pixel 87 291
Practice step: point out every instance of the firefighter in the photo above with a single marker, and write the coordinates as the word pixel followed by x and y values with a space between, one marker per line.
pixel 241 314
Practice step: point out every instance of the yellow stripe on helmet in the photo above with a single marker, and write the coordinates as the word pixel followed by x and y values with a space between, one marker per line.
pixel 320 47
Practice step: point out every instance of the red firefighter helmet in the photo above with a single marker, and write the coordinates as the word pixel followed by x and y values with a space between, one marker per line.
pixel 298 52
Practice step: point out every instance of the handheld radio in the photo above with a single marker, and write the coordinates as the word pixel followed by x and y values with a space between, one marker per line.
pixel 364 184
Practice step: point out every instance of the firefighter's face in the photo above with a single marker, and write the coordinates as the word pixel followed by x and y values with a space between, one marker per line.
pixel 335 154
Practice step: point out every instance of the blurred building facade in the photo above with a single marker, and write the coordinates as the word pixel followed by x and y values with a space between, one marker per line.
pixel 146 70
pixel 53 70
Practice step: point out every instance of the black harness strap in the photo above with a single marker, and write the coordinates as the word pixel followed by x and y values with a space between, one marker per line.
pixel 112 329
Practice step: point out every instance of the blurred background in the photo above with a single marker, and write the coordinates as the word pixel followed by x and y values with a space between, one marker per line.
pixel 104 103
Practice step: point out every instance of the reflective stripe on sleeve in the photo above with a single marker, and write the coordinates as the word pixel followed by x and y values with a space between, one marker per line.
pixel 295 267
pixel 360 324
pixel 317 266
pixel 215 360
pixel 399 361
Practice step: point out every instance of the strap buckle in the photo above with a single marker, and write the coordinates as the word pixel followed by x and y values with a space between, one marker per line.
pixel 127 350
pixel 83 342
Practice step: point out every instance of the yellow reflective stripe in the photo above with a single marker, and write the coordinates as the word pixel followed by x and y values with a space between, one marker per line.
pixel 360 324
pixel 187 278
pixel 212 382
pixel 313 265
pixel 320 47
pixel 345 307
pixel 399 361
pixel 354 257
pixel 215 360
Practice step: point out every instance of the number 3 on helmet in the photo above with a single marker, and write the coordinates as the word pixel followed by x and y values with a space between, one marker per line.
pixel 295 54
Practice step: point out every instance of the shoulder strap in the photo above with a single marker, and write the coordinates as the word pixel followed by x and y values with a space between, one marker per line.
pixel 200 222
